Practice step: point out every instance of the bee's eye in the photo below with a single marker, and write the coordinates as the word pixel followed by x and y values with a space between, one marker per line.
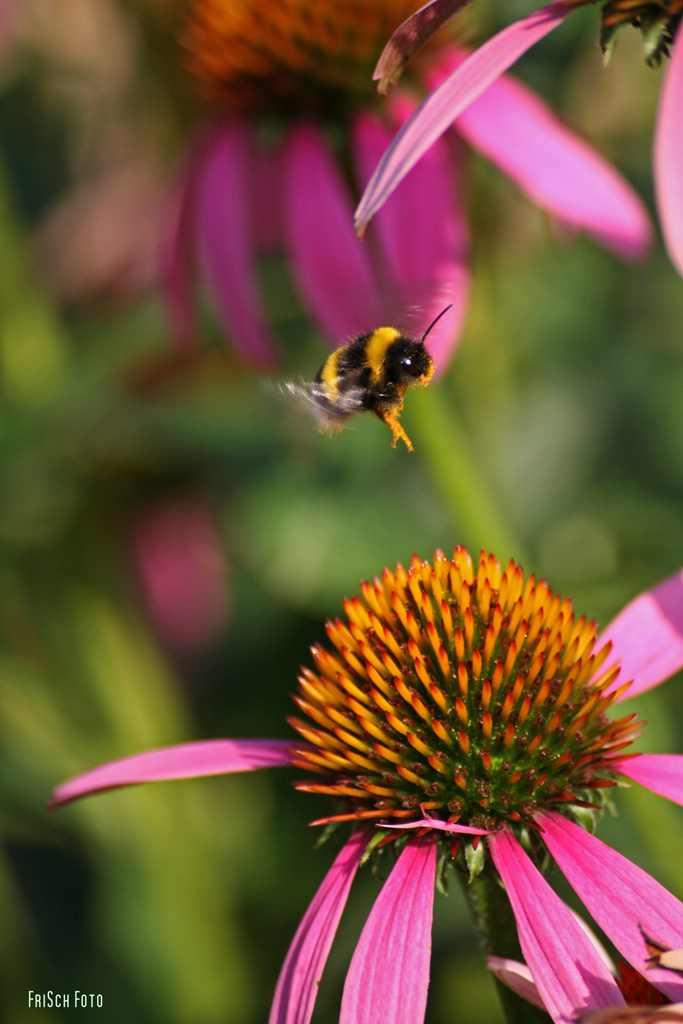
pixel 407 361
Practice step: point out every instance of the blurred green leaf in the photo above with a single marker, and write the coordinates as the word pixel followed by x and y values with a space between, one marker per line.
pixel 164 892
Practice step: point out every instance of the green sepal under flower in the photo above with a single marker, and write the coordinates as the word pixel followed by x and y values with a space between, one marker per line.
pixel 656 20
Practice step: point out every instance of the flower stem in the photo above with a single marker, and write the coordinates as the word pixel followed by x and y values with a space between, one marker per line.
pixel 495 923
pixel 445 448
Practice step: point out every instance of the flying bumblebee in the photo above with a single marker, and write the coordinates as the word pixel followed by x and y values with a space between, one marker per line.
pixel 371 373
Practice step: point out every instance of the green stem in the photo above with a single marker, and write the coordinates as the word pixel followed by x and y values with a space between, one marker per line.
pixel 440 439
pixel 497 930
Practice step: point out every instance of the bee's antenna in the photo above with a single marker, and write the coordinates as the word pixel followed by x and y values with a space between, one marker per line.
pixel 434 322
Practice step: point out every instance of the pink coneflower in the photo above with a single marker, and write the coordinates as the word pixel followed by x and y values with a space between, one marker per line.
pixel 183 572
pixel 636 989
pixel 295 137
pixel 459 95
pixel 465 700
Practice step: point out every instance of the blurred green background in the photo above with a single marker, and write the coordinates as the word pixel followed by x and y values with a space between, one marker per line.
pixel 561 417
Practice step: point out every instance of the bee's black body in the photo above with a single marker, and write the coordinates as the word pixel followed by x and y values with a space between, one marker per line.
pixel 371 373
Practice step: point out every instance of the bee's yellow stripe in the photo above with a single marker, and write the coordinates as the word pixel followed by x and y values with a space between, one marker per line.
pixel 376 350
pixel 328 374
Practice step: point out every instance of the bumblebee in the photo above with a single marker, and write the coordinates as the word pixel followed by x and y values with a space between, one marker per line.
pixel 372 373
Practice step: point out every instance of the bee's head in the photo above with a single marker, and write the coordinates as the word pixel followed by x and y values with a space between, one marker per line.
pixel 412 362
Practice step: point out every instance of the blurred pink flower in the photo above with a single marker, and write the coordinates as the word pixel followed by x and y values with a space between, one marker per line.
pixel 636 990
pixel 389 972
pixel 238 197
pixel 183 573
pixel 101 242
pixel 460 94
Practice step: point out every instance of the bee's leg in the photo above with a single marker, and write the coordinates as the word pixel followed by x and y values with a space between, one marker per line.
pixel 397 430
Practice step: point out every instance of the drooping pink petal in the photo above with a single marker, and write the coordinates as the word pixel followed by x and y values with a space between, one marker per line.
pixel 516 976
pixel 445 104
pixel 177 249
pixel 330 266
pixel 559 171
pixel 225 239
pixel 647 637
pixel 569 973
pixel 184 761
pixel 389 973
pixel 442 826
pixel 662 773
pixel 267 198
pixel 175 269
pixel 302 970
pixel 183 571
pixel 619 896
pixel 421 232
pixel 668 155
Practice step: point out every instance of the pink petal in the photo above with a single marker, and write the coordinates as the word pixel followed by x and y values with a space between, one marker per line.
pixel 647 637
pixel 176 249
pixel 619 896
pixel 557 169
pixel 176 271
pixel 225 241
pixel 569 972
pixel 330 266
pixel 421 231
pixel 662 773
pixel 389 973
pixel 183 571
pixel 440 109
pixel 668 156
pixel 267 198
pixel 516 976
pixel 185 761
pixel 442 826
pixel 302 970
